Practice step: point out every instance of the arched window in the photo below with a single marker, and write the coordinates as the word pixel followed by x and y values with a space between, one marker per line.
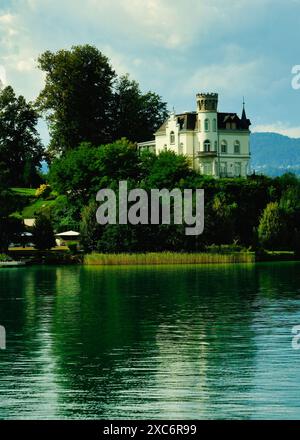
pixel 214 125
pixel 237 147
pixel 180 150
pixel 172 138
pixel 206 125
pixel 207 145
pixel 224 147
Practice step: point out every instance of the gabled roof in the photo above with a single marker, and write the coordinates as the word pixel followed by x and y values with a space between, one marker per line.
pixel 188 121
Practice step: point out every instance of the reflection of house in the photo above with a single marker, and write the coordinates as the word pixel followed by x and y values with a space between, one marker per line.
pixel 218 144
pixel 63 238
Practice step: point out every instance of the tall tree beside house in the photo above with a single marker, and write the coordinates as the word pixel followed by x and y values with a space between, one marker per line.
pixel 20 145
pixel 136 115
pixel 77 97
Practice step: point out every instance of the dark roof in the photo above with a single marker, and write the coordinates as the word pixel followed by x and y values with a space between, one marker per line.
pixel 188 121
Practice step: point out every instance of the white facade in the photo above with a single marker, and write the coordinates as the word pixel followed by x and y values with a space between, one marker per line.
pixel 217 144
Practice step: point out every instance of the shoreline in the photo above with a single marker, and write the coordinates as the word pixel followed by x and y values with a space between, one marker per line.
pixel 62 257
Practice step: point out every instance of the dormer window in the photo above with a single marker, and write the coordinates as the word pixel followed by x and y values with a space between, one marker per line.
pixel 172 138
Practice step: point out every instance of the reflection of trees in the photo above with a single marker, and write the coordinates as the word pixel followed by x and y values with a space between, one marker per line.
pixel 137 337
pixel 136 341
pixel 29 386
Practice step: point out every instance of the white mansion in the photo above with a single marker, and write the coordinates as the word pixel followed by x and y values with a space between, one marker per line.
pixel 217 144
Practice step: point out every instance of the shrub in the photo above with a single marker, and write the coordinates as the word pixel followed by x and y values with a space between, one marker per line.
pixel 73 247
pixel 5 258
pixel 43 191
pixel 43 235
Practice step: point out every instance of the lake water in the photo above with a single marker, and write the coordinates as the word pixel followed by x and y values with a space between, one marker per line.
pixel 174 342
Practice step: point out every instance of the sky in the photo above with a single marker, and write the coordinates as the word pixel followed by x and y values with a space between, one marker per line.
pixel 177 48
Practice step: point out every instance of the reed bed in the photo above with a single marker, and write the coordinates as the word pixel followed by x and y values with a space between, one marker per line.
pixel 167 258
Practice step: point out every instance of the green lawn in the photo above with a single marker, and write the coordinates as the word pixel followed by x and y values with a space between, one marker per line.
pixel 30 203
pixel 30 210
pixel 29 192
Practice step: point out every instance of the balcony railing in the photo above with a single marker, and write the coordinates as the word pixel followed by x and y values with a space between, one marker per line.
pixel 207 153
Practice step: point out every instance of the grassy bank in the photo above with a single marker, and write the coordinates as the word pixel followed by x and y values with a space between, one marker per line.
pixel 167 258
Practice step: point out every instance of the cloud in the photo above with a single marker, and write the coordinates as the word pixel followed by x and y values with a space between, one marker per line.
pixel 173 47
pixel 237 78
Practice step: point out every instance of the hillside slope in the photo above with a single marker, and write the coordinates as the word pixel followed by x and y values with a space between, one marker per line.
pixel 274 154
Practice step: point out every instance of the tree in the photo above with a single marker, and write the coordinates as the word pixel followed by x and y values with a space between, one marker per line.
pixel 20 145
pixel 82 172
pixel 136 115
pixel 168 170
pixel 42 233
pixel 77 97
pixel 10 226
pixel 118 161
pixel 90 230
pixel 271 230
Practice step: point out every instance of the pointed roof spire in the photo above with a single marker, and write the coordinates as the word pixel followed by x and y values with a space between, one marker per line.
pixel 245 121
pixel 244 117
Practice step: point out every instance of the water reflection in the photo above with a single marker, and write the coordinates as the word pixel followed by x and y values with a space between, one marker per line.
pixel 150 342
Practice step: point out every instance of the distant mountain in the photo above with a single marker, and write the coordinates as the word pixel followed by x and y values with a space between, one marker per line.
pixel 274 154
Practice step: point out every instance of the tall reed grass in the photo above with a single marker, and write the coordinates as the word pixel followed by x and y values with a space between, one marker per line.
pixel 168 258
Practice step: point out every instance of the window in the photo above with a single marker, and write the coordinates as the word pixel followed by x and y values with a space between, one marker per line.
pixel 216 145
pixel 237 169
pixel 223 169
pixel 207 145
pixel 180 150
pixel 199 124
pixel 172 138
pixel 214 125
pixel 223 147
pixel 206 125
pixel 233 126
pixel 237 147
pixel 207 169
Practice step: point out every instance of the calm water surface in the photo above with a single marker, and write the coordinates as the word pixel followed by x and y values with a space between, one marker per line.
pixel 150 342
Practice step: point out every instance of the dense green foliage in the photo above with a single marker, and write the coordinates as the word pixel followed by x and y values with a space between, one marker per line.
pixel 10 226
pixel 236 210
pixel 20 145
